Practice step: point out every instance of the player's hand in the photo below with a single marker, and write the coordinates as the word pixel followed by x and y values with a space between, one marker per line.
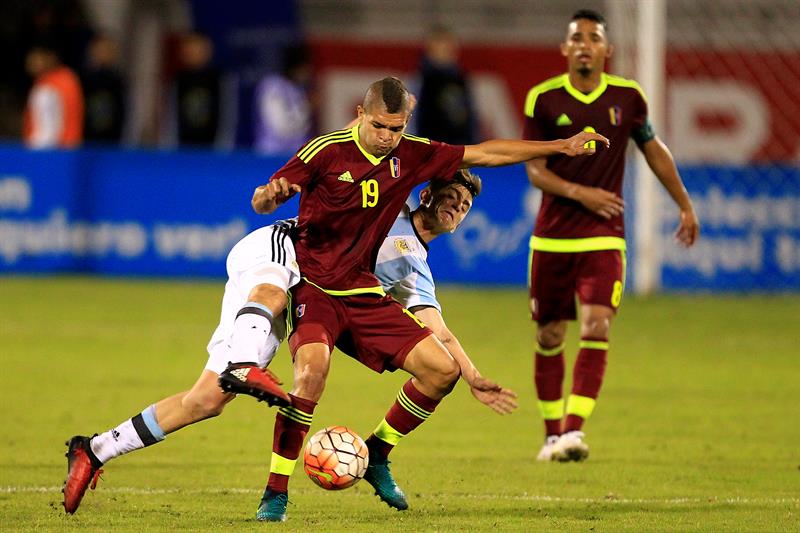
pixel 502 401
pixel 689 228
pixel 601 202
pixel 267 198
pixel 581 144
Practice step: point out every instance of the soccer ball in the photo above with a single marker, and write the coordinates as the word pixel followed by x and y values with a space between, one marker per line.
pixel 335 458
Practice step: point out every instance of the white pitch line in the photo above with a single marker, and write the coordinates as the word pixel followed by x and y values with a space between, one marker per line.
pixel 510 497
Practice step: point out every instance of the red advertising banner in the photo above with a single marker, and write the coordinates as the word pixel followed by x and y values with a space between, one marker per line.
pixel 731 106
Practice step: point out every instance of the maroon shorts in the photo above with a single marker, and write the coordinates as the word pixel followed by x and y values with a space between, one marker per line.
pixel 376 331
pixel 596 277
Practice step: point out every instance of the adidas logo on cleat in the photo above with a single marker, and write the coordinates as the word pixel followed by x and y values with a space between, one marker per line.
pixel 240 373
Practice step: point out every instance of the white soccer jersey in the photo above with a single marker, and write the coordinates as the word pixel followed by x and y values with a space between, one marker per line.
pixel 402 265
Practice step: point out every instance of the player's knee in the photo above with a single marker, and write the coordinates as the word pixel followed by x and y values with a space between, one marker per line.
pixel 446 373
pixel 310 376
pixel 204 406
pixel 272 296
pixel 595 327
pixel 549 337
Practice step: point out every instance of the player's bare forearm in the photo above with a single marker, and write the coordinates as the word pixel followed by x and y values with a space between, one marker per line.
pixel 599 201
pixel 486 391
pixel 433 319
pixel 661 162
pixel 500 152
pixel 267 198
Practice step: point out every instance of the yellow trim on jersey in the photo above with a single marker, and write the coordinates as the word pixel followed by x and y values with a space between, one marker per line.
pixel 533 94
pixel 371 158
pixel 580 405
pixel 350 292
pixel 563 81
pixel 586 98
pixel 552 410
pixel 415 138
pixel 619 81
pixel 281 465
pixel 313 147
pixel 589 244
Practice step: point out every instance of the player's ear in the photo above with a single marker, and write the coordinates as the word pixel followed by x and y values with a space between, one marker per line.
pixel 609 50
pixel 564 51
pixel 360 111
pixel 425 196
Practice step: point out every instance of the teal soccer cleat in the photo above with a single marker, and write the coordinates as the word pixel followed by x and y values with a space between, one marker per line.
pixel 272 507
pixel 380 477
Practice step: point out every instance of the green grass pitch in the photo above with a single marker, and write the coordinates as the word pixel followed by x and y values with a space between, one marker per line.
pixel 697 427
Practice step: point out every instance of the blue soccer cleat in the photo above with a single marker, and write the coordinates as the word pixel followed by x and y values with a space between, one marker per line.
pixel 380 477
pixel 272 507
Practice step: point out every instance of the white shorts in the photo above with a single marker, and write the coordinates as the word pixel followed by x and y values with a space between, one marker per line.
pixel 264 256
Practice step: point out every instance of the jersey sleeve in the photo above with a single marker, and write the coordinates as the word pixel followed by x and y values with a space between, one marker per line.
pixel 297 171
pixel 441 162
pixel 409 281
pixel 642 129
pixel 532 129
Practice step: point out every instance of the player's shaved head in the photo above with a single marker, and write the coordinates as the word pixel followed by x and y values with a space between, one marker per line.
pixel 389 93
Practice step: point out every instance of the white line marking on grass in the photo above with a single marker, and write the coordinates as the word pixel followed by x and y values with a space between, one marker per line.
pixel 510 497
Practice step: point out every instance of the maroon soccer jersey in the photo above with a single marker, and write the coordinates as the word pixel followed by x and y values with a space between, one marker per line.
pixel 554 109
pixel 350 199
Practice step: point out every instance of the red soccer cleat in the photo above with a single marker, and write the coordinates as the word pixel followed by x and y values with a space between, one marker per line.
pixel 83 468
pixel 247 378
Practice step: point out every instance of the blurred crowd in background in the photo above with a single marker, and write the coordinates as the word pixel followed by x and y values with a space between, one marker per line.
pixel 66 86
pixel 265 76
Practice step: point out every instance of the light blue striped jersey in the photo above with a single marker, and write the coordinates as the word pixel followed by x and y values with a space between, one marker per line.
pixel 402 265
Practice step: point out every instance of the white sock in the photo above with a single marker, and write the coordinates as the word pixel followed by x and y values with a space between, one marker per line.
pixel 135 433
pixel 250 332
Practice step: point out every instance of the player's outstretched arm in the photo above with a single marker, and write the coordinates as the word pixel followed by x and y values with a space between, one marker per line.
pixel 267 198
pixel 661 162
pixel 486 391
pixel 599 201
pixel 499 152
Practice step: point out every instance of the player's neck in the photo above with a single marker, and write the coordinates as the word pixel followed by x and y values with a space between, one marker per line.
pixel 426 234
pixel 585 83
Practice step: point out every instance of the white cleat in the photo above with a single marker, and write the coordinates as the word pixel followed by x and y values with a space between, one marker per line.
pixel 570 447
pixel 546 453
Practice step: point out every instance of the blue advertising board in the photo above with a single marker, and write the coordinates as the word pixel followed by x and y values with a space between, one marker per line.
pixel 750 238
pixel 179 213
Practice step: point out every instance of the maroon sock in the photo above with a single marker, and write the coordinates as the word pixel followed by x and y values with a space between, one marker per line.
pixel 549 377
pixel 291 427
pixel 410 409
pixel 587 376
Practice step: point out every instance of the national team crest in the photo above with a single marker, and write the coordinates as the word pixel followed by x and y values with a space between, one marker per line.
pixel 394 167
pixel 402 246
pixel 615 115
pixel 300 310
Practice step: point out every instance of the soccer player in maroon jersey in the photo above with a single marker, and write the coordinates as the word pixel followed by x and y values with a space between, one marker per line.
pixel 354 183
pixel 578 244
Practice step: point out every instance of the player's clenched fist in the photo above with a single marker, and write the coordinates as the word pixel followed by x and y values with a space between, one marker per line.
pixel 266 198
pixel 583 143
